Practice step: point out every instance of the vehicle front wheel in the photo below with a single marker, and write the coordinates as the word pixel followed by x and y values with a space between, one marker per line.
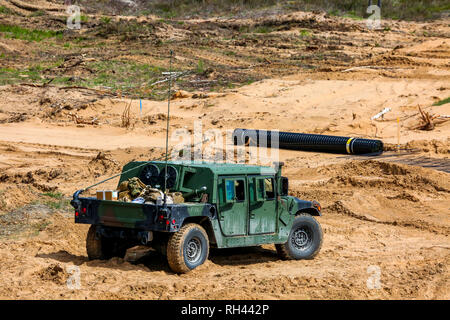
pixel 188 248
pixel 304 241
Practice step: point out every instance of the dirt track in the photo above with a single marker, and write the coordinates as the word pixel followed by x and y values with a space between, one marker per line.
pixel 390 213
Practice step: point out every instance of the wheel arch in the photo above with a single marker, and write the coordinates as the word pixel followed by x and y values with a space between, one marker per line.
pixel 310 211
pixel 205 222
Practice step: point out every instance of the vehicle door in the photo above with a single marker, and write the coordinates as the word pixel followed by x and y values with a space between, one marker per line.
pixel 262 205
pixel 233 205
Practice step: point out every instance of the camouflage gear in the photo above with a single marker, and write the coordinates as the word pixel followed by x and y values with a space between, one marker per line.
pixel 130 189
pixel 134 188
pixel 177 197
pixel 124 196
pixel 151 194
pixel 123 186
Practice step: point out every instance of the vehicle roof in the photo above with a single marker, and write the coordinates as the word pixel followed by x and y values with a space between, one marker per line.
pixel 224 168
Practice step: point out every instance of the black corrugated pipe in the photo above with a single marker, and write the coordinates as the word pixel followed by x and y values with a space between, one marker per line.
pixel 307 142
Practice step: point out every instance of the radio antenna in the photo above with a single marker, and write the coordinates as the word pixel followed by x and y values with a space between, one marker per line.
pixel 167 129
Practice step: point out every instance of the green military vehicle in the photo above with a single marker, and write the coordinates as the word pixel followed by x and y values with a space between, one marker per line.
pixel 224 205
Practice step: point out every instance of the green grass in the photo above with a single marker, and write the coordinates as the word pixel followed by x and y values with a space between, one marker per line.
pixel 263 29
pixel 105 20
pixel 305 33
pixel 5 10
pixel 229 53
pixel 31 74
pixel 57 200
pixel 127 77
pixel 58 205
pixel 11 76
pixel 55 195
pixel 200 67
pixel 116 75
pixel 16 32
pixel 256 29
pixel 442 102
pixel 38 13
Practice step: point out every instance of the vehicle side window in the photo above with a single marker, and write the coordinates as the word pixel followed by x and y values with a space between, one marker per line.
pixel 240 190
pixel 268 182
pixel 260 189
pixel 229 185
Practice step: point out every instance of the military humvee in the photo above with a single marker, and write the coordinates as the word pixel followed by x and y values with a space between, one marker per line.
pixel 225 205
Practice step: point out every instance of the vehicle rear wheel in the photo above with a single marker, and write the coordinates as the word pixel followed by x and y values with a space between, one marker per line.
pixel 304 241
pixel 103 248
pixel 188 248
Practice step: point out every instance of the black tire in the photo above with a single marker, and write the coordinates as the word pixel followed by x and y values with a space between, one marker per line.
pixel 103 248
pixel 188 248
pixel 304 241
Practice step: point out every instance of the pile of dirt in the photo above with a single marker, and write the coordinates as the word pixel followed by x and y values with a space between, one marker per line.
pixel 379 174
pixel 103 164
pixel 53 273
pixel 433 146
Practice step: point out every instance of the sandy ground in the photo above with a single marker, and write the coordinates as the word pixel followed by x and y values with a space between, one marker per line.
pixel 384 216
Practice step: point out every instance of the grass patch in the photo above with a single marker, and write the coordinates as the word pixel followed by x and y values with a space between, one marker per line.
pixel 16 32
pixel 442 102
pixel 256 29
pixel 229 53
pixel 55 195
pixel 200 67
pixel 305 33
pixel 105 20
pixel 58 205
pixel 11 76
pixel 5 10
pixel 127 77
pixel 38 13
pixel 31 74
pixel 56 201
pixel 263 29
